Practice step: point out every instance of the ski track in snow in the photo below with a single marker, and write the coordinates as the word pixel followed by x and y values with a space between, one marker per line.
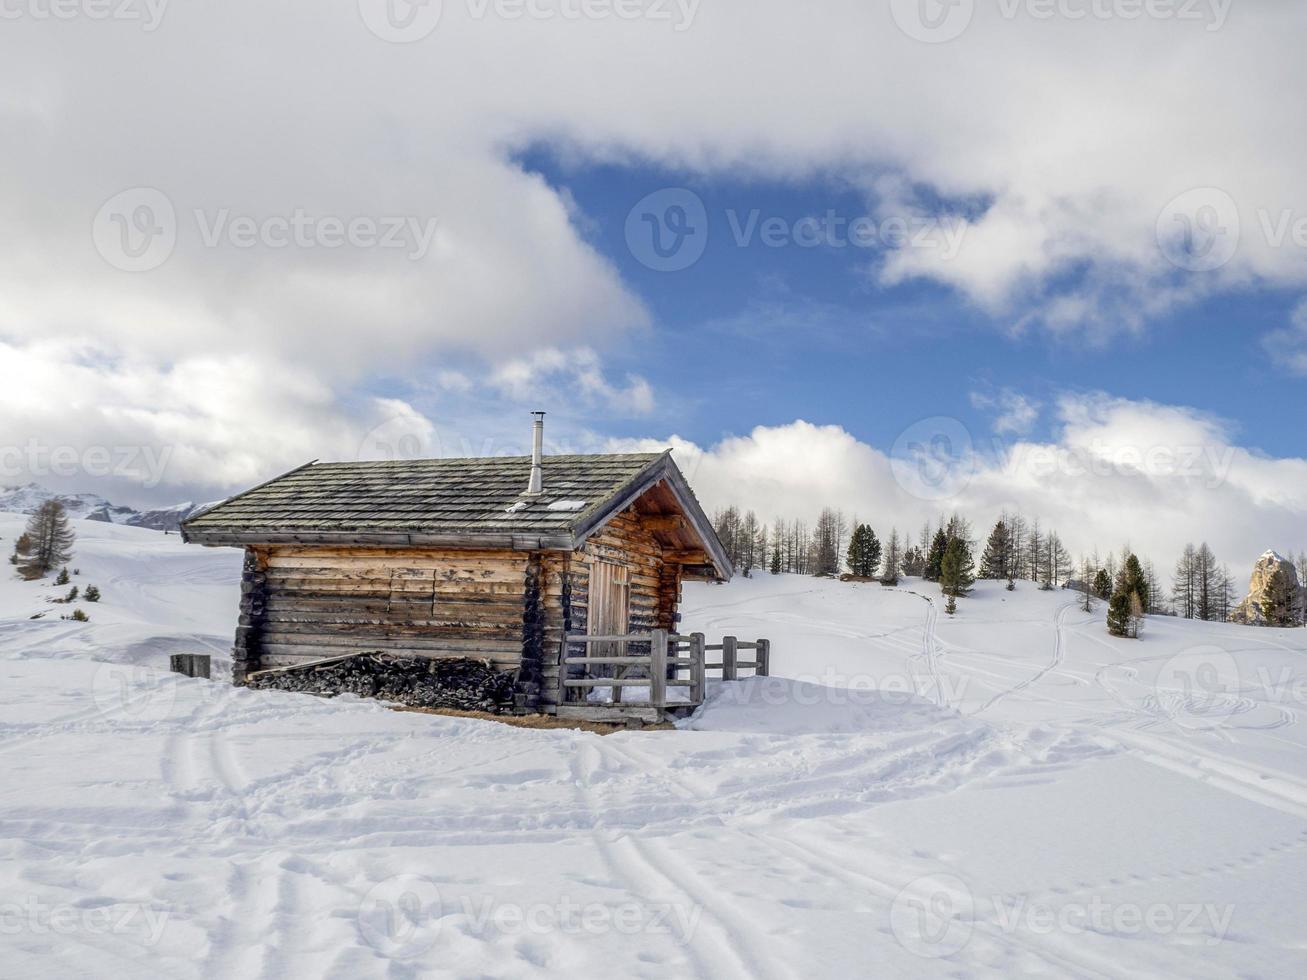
pixel 787 815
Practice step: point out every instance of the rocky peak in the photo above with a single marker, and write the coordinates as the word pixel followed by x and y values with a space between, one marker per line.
pixel 1249 611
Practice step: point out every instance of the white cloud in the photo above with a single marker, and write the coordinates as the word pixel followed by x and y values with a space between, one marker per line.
pixel 1118 471
pixel 1288 347
pixel 579 374
pixel 1014 413
pixel 1059 142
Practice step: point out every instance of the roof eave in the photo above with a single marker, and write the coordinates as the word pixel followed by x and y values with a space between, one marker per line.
pixel 385 539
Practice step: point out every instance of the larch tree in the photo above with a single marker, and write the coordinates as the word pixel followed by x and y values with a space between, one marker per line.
pixel 49 541
pixel 893 558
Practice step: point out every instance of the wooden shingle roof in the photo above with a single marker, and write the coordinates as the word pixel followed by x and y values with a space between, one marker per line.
pixel 461 503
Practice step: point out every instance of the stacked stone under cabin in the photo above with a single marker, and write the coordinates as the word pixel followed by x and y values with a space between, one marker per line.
pixel 459 560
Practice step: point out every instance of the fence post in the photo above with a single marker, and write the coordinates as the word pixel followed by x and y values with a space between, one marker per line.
pixel 764 659
pixel 658 668
pixel 729 670
pixel 697 674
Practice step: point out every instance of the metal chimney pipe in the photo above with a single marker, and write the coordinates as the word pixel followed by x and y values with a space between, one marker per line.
pixel 536 486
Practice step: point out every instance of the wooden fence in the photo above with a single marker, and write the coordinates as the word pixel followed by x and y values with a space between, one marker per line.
pixel 731 663
pixel 670 655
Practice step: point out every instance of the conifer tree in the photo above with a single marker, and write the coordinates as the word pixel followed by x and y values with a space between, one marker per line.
pixel 1103 585
pixel 864 552
pixel 893 559
pixel 957 568
pixel 1126 608
pixel 914 563
pixel 49 538
pixel 1087 585
pixel 1118 614
pixel 935 558
pixel 995 562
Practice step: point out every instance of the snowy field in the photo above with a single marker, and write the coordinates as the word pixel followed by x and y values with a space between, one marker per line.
pixel 1024 796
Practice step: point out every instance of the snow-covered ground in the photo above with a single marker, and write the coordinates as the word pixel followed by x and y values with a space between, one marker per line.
pixel 1002 793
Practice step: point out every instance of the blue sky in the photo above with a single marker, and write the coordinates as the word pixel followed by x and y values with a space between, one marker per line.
pixel 753 334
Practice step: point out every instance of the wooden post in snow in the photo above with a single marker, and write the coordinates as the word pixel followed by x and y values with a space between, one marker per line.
pixel 697 676
pixel 658 668
pixel 730 670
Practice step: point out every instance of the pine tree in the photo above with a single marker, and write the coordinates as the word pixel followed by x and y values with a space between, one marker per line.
pixel 1125 610
pixel 1118 614
pixel 957 569
pixel 92 594
pixel 995 562
pixel 935 557
pixel 951 607
pixel 1103 585
pixel 1131 579
pixel 49 538
pixel 863 558
pixel 914 564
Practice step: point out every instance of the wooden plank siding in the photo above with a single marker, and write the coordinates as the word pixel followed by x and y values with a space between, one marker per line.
pixel 324 601
pixel 511 608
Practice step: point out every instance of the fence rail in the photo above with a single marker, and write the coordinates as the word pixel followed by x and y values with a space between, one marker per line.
pixel 731 663
pixel 660 670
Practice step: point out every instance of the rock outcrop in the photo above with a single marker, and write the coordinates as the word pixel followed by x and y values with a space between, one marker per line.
pixel 1250 610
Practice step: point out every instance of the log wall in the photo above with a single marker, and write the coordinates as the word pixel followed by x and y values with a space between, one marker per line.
pixel 324 602
pixel 514 609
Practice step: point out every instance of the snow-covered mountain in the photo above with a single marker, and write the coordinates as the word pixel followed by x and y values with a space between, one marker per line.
pixel 92 507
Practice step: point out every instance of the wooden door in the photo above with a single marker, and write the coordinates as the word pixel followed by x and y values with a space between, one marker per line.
pixel 610 600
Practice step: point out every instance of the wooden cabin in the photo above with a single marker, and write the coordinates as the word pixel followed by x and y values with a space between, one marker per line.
pixel 512 561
